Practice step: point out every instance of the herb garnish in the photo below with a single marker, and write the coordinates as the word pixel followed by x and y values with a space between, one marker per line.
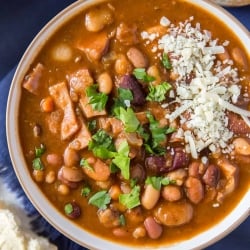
pixel 100 199
pixel 157 182
pixel 157 93
pixel 131 199
pixel 141 74
pixel 166 61
pixel 37 162
pixel 96 99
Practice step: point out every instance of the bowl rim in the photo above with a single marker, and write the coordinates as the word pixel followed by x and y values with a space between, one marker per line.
pixel 40 202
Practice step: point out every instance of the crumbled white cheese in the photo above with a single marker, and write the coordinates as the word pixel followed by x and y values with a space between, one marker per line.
pixel 164 21
pixel 13 237
pixel 205 86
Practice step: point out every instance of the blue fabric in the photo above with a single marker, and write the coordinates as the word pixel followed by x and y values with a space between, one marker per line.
pixel 19 22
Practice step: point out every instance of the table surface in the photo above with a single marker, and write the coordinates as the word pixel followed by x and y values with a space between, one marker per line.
pixel 21 20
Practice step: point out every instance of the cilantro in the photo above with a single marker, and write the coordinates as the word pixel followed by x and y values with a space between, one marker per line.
pixel 39 151
pixel 141 74
pixel 97 100
pixel 85 191
pixel 92 125
pixel 68 208
pixel 37 164
pixel 122 220
pixel 157 182
pixel 84 163
pixel 131 199
pixel 166 61
pixel 128 118
pixel 121 159
pixel 100 199
pixel 157 93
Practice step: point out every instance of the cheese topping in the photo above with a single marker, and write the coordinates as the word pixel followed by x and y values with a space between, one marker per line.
pixel 205 86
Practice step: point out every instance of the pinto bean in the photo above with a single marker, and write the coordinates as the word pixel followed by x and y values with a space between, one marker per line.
pixel 66 182
pixel 138 173
pixel 97 18
pixel 122 65
pixel 105 83
pixel 174 213
pixel 171 193
pixel 131 83
pixel 153 228
pixel 194 189
pixel 71 157
pixel 196 169
pixel 150 197
pixel 178 176
pixel 120 232
pixel 211 176
pixel 137 58
pixel 54 159
pixel 72 174
pixel 241 146
pixel 108 217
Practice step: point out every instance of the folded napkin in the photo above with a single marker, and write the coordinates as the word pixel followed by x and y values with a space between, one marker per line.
pixel 239 239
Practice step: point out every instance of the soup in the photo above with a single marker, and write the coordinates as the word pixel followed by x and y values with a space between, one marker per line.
pixel 134 121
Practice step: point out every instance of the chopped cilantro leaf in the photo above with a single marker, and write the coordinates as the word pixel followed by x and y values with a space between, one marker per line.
pixel 122 220
pixel 85 191
pixel 97 100
pixel 157 182
pixel 37 164
pixel 128 118
pixel 131 199
pixel 39 151
pixel 141 74
pixel 123 99
pixel 101 139
pixel 68 208
pixel 84 163
pixel 166 61
pixel 92 125
pixel 100 199
pixel 157 93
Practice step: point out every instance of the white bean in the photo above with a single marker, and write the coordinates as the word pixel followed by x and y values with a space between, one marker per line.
pixel 105 83
pixel 150 197
pixel 241 146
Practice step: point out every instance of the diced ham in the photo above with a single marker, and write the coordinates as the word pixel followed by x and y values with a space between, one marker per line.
pixel 82 138
pixel 127 35
pixel 33 81
pixel 95 47
pixel 60 95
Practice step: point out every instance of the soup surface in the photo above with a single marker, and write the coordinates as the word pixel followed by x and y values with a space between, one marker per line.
pixel 133 120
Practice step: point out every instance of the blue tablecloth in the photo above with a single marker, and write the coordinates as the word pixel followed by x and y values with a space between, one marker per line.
pixel 19 23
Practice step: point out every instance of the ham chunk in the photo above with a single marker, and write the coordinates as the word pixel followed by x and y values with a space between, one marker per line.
pixel 82 138
pixel 95 47
pixel 60 95
pixel 33 81
pixel 78 82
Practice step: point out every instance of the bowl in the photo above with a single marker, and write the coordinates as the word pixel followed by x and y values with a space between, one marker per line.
pixel 232 3
pixel 42 204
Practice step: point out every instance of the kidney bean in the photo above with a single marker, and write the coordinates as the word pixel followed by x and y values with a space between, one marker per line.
pixel 156 164
pixel 181 159
pixel 72 210
pixel 131 83
pixel 154 229
pixel 174 213
pixel 138 172
pixel 211 176
pixel 194 189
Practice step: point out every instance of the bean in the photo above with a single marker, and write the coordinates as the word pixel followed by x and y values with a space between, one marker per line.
pixel 171 193
pixel 178 176
pixel 105 83
pixel 211 176
pixel 120 232
pixel 122 65
pixel 153 229
pixel 109 218
pixel 174 213
pixel 50 177
pixel 194 189
pixel 47 104
pixel 37 130
pixel 71 157
pixel 62 53
pixel 63 189
pixel 241 146
pixel 139 232
pixel 72 174
pixel 154 71
pixel 150 197
pixel 114 192
pixel 72 210
pixel 96 19
pixel 38 175
pixel 54 159
pixel 137 58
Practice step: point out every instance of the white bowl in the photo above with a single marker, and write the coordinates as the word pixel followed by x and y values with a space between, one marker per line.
pixel 48 211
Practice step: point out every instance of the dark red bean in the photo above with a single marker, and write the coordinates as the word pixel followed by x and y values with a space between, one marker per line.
pixel 72 210
pixel 138 173
pixel 154 229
